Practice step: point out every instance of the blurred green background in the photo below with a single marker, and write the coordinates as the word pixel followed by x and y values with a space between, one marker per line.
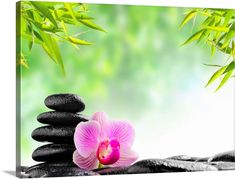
pixel 136 71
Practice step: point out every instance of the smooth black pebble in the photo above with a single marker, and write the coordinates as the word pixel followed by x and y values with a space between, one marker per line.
pixel 204 159
pixel 56 170
pixel 166 165
pixel 224 165
pixel 112 170
pixel 65 102
pixel 225 157
pixel 54 152
pixel 184 158
pixel 56 134
pixel 58 118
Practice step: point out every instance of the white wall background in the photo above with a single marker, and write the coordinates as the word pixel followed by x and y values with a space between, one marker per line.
pixel 7 95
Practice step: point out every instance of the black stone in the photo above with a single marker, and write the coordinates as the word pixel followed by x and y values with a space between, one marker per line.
pixel 225 157
pixel 166 165
pixel 55 164
pixel 56 170
pixel 65 102
pixel 112 170
pixel 184 158
pixel 224 165
pixel 205 159
pixel 61 118
pixel 54 152
pixel 56 134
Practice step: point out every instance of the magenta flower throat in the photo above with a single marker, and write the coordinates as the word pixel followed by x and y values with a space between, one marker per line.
pixel 103 142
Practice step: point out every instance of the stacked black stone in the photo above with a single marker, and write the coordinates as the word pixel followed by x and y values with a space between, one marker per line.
pixel 58 131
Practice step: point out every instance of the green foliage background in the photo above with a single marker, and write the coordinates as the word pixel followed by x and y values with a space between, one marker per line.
pixel 134 70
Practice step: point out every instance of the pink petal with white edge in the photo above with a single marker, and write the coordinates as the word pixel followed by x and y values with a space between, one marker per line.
pixel 102 119
pixel 88 163
pixel 123 132
pixel 86 137
pixel 127 157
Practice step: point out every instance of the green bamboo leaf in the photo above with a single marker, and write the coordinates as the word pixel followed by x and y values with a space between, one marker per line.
pixel 64 28
pixel 213 48
pixel 230 35
pixel 230 67
pixel 31 40
pixel 30 14
pixel 217 28
pixel 225 79
pixel 70 10
pixel 91 24
pixel 228 17
pixel 188 17
pixel 78 41
pixel 208 20
pixel 78 16
pixel 29 37
pixel 221 37
pixel 40 6
pixel 212 65
pixel 83 17
pixel 194 37
pixel 206 33
pixel 52 49
pixel 233 50
pixel 204 13
pixel 216 75
pixel 22 61
pixel 37 35
pixel 227 50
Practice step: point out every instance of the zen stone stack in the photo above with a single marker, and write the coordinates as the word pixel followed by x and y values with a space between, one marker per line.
pixel 58 131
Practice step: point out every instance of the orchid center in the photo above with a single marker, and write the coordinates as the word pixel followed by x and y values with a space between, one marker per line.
pixel 108 151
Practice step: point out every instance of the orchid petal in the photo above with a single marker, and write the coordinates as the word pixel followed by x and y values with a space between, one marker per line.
pixel 127 157
pixel 87 163
pixel 123 132
pixel 86 137
pixel 102 119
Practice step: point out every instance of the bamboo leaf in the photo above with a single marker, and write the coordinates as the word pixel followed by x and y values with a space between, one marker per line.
pixel 216 75
pixel 28 37
pixel 31 40
pixel 230 67
pixel 212 65
pixel 40 6
pixel 217 28
pixel 194 37
pixel 224 80
pixel 22 61
pixel 228 38
pixel 188 17
pixel 226 50
pixel 78 16
pixel 219 45
pixel 70 10
pixel 228 17
pixel 91 24
pixel 213 48
pixel 64 28
pixel 221 37
pixel 78 41
pixel 37 35
pixel 52 49
pixel 233 50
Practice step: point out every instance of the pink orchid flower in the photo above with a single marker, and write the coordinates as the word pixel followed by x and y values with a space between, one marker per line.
pixel 100 141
